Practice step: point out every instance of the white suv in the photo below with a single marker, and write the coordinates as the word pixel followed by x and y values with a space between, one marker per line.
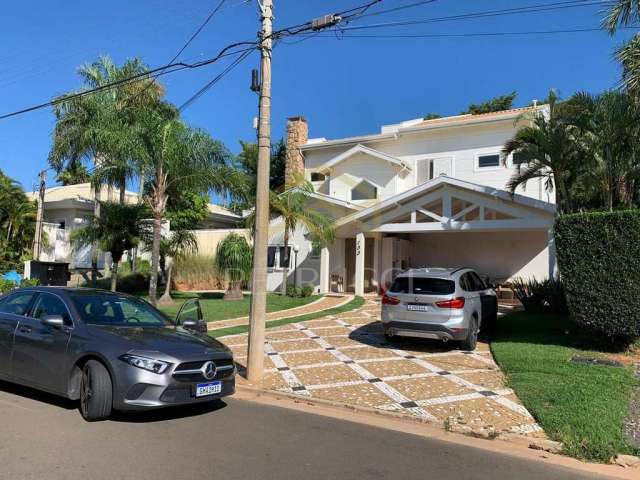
pixel 439 303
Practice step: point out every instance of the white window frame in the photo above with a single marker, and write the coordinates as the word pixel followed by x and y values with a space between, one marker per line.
pixel 478 168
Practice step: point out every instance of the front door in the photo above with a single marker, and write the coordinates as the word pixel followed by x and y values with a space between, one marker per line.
pixel 39 352
pixel 350 264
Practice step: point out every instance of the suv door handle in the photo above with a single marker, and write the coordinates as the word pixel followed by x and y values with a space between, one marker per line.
pixel 24 329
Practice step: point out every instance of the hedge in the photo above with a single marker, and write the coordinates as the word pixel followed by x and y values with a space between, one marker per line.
pixel 599 260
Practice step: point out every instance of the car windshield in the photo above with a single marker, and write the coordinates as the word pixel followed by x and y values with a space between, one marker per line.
pixel 423 286
pixel 116 310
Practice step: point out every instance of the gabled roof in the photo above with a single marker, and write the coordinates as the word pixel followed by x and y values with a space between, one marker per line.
pixel 336 201
pixel 364 150
pixel 423 188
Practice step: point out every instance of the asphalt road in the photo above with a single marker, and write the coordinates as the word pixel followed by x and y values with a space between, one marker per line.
pixel 43 437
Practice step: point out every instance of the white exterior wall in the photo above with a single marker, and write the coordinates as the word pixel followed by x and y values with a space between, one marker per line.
pixel 351 172
pixel 501 255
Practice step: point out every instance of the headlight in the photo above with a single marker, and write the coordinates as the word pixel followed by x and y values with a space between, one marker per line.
pixel 155 366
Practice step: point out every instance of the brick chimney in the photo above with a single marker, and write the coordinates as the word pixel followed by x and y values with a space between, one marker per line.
pixel 297 135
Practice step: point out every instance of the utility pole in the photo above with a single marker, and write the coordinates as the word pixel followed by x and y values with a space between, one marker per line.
pixel 37 239
pixel 255 359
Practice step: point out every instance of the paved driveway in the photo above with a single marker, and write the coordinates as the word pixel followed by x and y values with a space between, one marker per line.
pixel 345 358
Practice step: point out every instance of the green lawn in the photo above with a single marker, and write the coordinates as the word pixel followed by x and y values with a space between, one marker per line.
pixel 583 406
pixel 357 302
pixel 214 308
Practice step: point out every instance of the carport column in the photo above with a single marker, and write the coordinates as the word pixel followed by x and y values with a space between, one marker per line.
pixel 360 246
pixel 324 270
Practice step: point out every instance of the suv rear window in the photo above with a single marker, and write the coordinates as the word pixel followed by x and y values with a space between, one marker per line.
pixel 423 286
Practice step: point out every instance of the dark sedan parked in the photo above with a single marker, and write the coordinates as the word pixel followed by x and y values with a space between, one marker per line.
pixel 110 350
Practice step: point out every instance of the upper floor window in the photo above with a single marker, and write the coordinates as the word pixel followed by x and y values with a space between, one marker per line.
pixel 489 161
pixel 317 177
pixel 364 191
pixel 519 158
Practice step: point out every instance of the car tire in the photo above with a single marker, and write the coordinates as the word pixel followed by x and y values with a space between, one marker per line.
pixel 471 341
pixel 96 392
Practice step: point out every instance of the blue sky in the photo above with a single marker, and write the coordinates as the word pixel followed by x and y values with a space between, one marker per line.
pixel 342 86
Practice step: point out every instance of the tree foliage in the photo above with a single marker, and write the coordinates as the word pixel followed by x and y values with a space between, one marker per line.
pixel 17 224
pixel 496 104
pixel 234 259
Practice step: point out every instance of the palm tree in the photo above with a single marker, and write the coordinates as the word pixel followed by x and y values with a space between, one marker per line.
pixel 177 245
pixel 551 152
pixel 176 159
pixel 624 13
pixel 119 228
pixel 609 124
pixel 234 259
pixel 291 207
pixel 17 222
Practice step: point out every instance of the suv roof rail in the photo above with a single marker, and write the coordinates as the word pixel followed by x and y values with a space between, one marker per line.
pixel 458 269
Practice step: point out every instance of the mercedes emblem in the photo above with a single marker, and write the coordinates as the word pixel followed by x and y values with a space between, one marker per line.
pixel 209 370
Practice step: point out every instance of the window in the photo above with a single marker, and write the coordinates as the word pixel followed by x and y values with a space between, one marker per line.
pixel 62 224
pixel 519 158
pixel 477 282
pixel 423 286
pixel 485 161
pixel 48 304
pixel 271 256
pixel 285 257
pixel 471 282
pixel 364 191
pixel 16 304
pixel 317 177
pixel 108 309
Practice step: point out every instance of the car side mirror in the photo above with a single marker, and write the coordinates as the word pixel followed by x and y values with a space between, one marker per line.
pixel 195 326
pixel 55 321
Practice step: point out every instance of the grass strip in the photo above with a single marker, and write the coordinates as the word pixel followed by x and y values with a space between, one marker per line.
pixel 357 302
pixel 582 406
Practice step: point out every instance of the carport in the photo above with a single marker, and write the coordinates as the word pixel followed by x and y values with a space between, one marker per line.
pixel 443 222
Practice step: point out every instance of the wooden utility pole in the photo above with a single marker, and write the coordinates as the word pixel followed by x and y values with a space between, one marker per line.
pixel 255 360
pixel 37 238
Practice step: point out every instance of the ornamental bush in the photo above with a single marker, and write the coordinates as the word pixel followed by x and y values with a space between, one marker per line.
pixel 599 259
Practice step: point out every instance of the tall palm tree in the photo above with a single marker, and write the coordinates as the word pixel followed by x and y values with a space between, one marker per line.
pixel 17 222
pixel 609 124
pixel 175 159
pixel 551 152
pixel 623 13
pixel 119 228
pixel 234 259
pixel 177 245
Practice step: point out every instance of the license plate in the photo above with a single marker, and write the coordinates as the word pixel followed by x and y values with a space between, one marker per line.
pixel 204 389
pixel 417 307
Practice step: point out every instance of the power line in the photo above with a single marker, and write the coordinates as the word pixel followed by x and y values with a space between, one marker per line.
pixel 471 34
pixel 544 7
pixel 397 9
pixel 215 80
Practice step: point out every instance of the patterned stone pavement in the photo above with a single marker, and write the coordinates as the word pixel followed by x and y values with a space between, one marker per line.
pixel 345 358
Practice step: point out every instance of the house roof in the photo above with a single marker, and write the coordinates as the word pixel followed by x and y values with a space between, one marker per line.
pixel 444 180
pixel 222 211
pixel 389 132
pixel 79 195
pixel 336 201
pixel 363 150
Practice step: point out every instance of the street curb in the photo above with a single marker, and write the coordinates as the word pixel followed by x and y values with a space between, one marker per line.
pixel 509 444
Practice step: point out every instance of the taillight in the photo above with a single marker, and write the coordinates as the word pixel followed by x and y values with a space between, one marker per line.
pixel 454 303
pixel 387 300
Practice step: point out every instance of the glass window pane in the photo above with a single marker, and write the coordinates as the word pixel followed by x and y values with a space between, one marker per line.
pixel 488 161
pixel 48 304
pixel 285 257
pixel 364 191
pixel 518 158
pixel 422 286
pixel 271 257
pixel 17 303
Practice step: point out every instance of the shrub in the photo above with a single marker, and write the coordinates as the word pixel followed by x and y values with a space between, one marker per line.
pixel 540 296
pixel 142 266
pixel 307 290
pixel 293 291
pixel 8 285
pixel 599 261
pixel 132 283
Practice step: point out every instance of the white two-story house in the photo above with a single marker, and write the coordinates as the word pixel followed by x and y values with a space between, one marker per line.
pixel 419 193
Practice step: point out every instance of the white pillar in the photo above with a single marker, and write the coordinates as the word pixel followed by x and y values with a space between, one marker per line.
pixel 360 247
pixel 325 274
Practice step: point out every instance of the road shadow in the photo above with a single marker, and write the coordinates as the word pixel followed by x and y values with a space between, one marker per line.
pixel 168 413
pixel 38 395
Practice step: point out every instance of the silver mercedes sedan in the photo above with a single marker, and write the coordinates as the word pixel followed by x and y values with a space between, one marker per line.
pixel 110 350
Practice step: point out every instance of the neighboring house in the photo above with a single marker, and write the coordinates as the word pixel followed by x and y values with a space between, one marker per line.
pixel 68 207
pixel 417 194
